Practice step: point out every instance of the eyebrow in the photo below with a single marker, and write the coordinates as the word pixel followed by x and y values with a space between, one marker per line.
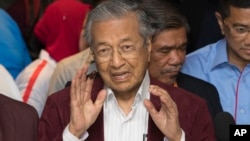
pixel 239 24
pixel 166 46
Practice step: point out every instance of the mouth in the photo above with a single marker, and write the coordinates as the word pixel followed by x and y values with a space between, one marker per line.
pixel 120 76
pixel 247 50
pixel 176 71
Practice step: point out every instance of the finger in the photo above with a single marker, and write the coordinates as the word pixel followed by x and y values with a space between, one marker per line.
pixel 167 102
pixel 162 93
pixel 88 89
pixel 150 107
pixel 73 87
pixel 89 86
pixel 100 98
pixel 90 81
pixel 77 86
pixel 72 90
pixel 170 108
pixel 82 83
pixel 158 91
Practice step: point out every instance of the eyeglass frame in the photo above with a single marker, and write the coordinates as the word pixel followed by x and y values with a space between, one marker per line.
pixel 107 58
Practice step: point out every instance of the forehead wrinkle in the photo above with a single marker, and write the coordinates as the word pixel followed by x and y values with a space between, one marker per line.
pixel 127 39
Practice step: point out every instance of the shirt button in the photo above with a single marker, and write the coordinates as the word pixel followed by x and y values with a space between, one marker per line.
pixel 242 111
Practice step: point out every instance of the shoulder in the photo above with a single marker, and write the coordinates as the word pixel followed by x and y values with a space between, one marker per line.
pixel 61 97
pixel 197 86
pixel 7 21
pixel 57 106
pixel 15 107
pixel 185 80
pixel 18 119
pixel 179 95
pixel 204 53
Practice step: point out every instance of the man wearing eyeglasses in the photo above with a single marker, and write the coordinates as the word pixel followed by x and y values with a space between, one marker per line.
pixel 122 103
pixel 226 62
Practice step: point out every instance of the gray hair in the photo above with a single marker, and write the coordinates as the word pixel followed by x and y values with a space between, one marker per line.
pixel 164 16
pixel 115 9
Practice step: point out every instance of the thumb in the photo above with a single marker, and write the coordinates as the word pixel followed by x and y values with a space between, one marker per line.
pixel 100 98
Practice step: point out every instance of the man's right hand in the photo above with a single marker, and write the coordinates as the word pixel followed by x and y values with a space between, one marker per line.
pixel 83 110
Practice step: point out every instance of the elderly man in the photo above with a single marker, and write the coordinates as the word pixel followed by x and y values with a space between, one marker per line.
pixel 123 103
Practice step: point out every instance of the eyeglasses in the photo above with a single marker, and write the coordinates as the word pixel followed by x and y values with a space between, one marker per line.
pixel 237 30
pixel 104 53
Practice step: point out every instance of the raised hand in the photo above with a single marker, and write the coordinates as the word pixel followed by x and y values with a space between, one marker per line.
pixel 166 119
pixel 83 110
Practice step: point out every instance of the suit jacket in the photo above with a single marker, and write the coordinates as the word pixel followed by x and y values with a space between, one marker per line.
pixel 202 89
pixel 18 121
pixel 194 116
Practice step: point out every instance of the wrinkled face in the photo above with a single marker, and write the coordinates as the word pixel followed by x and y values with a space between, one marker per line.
pixel 236 29
pixel 120 53
pixel 168 55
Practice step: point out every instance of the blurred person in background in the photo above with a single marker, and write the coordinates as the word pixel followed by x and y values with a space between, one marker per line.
pixel 58 30
pixel 14 54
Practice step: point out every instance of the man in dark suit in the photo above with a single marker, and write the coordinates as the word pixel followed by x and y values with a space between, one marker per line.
pixel 18 121
pixel 169 50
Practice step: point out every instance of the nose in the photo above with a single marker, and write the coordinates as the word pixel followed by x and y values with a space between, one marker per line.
pixel 117 59
pixel 176 57
pixel 247 39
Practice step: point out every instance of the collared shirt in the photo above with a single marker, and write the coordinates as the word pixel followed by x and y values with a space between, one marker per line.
pixel 130 127
pixel 123 127
pixel 211 64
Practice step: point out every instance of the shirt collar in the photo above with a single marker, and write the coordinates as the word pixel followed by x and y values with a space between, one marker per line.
pixel 221 54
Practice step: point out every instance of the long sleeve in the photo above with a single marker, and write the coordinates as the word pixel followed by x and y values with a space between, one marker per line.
pixel 52 122
pixel 67 136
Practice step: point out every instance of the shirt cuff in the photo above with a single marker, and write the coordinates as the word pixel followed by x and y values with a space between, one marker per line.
pixel 182 136
pixel 68 136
